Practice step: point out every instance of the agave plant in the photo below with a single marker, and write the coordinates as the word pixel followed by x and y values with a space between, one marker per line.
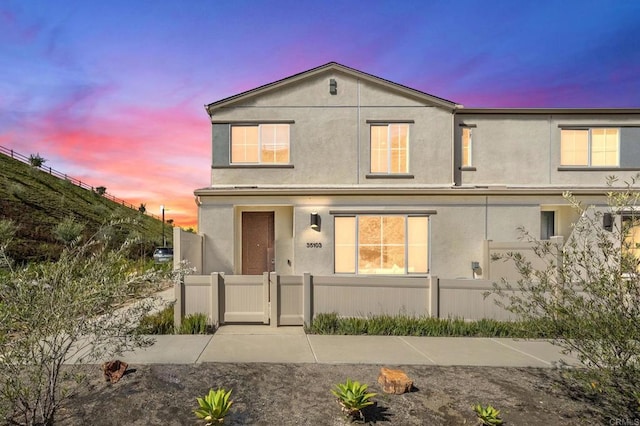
pixel 353 397
pixel 487 415
pixel 214 406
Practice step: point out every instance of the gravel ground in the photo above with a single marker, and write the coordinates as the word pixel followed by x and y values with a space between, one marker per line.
pixel 299 394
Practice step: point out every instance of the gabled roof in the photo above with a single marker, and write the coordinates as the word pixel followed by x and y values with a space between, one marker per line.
pixel 337 67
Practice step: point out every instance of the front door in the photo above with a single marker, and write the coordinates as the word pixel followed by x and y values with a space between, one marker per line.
pixel 257 243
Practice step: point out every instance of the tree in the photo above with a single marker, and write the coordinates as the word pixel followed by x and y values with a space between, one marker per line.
pixel 70 310
pixel 69 231
pixel 36 160
pixel 8 229
pixel 143 208
pixel 101 190
pixel 587 298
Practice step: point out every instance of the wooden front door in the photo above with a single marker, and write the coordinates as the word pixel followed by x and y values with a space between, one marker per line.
pixel 257 243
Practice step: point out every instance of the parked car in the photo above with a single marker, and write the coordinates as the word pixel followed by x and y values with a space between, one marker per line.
pixel 163 254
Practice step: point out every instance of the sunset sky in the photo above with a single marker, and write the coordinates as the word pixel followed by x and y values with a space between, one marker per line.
pixel 113 92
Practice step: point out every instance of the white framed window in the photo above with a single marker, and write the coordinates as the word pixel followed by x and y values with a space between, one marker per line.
pixel 381 244
pixel 466 160
pixel 596 147
pixel 260 144
pixel 390 148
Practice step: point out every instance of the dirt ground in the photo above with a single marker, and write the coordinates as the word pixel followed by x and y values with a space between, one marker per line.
pixel 299 394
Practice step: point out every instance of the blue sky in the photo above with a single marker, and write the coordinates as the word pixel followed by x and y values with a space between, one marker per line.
pixel 113 92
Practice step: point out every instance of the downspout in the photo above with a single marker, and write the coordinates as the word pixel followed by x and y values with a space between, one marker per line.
pixel 453 148
pixel 358 134
pixel 550 148
pixel 486 217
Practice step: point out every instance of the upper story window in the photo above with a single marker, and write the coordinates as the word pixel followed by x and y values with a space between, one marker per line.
pixel 260 144
pixel 597 147
pixel 381 244
pixel 466 147
pixel 390 148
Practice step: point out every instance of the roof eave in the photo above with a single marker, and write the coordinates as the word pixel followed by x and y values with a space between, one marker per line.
pixel 441 102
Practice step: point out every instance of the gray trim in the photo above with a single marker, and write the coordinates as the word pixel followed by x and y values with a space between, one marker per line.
pixel 251 122
pixel 390 121
pixel 598 169
pixel 409 211
pixel 600 111
pixel 630 147
pixel 221 137
pixel 473 126
pixel 595 126
pixel 468 169
pixel 389 176
pixel 254 166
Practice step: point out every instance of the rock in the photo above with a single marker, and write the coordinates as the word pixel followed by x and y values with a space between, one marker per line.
pixel 114 370
pixel 394 381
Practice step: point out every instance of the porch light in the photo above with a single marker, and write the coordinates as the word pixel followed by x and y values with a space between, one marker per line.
pixel 315 221
pixel 607 222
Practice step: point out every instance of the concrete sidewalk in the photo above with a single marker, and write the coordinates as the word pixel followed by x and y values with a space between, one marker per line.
pixel 257 343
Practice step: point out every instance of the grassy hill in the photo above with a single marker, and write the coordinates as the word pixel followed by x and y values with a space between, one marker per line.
pixel 38 202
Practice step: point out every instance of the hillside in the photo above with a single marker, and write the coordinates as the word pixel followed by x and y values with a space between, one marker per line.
pixel 38 202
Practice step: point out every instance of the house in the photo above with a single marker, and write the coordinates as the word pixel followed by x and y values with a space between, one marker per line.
pixel 338 173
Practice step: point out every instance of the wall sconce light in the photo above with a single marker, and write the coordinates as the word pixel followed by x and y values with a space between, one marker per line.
pixel 607 222
pixel 477 270
pixel 333 86
pixel 315 221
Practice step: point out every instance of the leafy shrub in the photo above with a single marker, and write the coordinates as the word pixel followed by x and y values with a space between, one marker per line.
pixel 68 230
pixel 405 325
pixel 36 160
pixel 53 312
pixel 325 323
pixel 159 323
pixel 585 295
pixel 487 415
pixel 353 397
pixel 194 324
pixel 214 406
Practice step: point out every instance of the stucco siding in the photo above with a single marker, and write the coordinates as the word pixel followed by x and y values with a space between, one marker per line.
pixel 330 134
pixel 458 228
pixel 521 149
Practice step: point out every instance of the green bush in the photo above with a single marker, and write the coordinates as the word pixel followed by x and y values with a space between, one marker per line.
pixel 405 325
pixel 194 324
pixel 585 294
pixel 162 323
pixel 159 323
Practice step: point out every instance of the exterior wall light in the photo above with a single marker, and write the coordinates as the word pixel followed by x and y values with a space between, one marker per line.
pixel 607 222
pixel 315 221
pixel 333 86
pixel 477 270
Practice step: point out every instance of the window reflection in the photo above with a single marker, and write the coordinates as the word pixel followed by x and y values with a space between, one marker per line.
pixel 386 244
pixel 260 144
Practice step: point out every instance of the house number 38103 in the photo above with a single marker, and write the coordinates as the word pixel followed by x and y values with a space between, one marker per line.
pixel 314 245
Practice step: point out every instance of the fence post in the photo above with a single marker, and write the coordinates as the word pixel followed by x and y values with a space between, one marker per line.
pixel 178 310
pixel 265 298
pixel 307 314
pixel 274 297
pixel 214 306
pixel 434 297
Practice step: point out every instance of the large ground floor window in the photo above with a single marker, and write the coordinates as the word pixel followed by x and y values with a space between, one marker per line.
pixel 631 243
pixel 381 244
